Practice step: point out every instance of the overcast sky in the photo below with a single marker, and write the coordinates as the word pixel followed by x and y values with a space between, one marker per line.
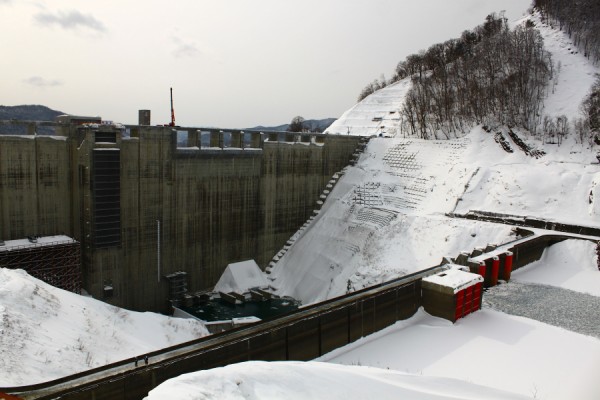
pixel 231 63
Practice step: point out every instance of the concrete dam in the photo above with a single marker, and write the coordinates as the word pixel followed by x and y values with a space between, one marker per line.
pixel 147 202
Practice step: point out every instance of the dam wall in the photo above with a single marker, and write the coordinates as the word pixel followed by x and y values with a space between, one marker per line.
pixel 144 205
pixel 34 186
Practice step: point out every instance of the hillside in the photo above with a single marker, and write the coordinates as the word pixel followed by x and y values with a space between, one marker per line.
pixel 386 216
pixel 28 113
pixel 313 125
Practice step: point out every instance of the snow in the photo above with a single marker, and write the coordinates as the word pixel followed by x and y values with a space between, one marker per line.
pixel 39 241
pixel 453 278
pixel 487 348
pixel 575 73
pixel 240 277
pixel 48 333
pixel 315 380
pixel 571 264
pixel 494 349
pixel 375 115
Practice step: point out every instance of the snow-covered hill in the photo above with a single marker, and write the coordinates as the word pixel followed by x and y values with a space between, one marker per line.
pixel 47 333
pixel 386 215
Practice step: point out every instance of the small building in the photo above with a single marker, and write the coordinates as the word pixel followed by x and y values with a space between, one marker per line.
pixel 55 260
pixel 453 293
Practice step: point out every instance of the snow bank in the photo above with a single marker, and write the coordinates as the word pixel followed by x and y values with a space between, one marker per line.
pixel 47 333
pixel 486 348
pixel 314 380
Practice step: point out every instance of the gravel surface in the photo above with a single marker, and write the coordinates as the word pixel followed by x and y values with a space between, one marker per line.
pixel 575 311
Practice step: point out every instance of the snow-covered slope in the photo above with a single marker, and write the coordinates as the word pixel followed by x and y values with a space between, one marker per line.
pixel 375 115
pixel 47 333
pixel 386 215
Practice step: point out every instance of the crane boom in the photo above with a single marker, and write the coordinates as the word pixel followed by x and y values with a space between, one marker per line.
pixel 172 110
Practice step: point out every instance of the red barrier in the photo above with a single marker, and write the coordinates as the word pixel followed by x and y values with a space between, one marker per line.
pixel 508 261
pixel 495 270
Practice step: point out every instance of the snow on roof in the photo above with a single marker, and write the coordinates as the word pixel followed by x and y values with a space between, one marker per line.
pixel 241 276
pixel 453 278
pixel 38 241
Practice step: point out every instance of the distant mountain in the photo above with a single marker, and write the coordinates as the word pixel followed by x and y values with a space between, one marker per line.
pixel 313 125
pixel 28 113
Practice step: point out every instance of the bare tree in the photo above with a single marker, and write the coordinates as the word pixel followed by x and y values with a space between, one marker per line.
pixel 297 124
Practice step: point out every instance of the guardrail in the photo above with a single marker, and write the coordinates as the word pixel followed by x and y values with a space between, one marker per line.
pixel 526 221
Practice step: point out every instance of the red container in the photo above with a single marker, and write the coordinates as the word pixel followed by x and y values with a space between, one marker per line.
pixel 460 297
pixel 476 304
pixel 508 261
pixel 468 300
pixel 495 270
pixel 482 268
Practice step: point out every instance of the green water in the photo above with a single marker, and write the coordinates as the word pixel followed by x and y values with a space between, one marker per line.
pixel 219 310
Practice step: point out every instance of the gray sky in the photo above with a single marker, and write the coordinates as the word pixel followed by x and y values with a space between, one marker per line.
pixel 231 63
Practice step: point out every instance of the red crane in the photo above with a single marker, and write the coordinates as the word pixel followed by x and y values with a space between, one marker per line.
pixel 172 110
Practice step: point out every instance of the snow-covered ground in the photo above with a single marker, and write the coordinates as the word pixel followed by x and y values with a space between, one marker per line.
pixel 47 333
pixel 494 349
pixel 386 217
pixel 314 380
pixel 570 265
pixel 487 348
